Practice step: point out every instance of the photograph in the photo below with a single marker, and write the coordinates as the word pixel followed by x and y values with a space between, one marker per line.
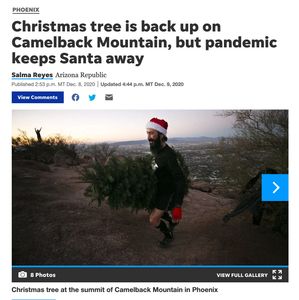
pixel 148 187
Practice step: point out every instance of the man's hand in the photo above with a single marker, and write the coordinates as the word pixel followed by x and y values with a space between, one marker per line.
pixel 176 213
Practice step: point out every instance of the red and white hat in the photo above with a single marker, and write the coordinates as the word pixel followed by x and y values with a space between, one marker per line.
pixel 158 124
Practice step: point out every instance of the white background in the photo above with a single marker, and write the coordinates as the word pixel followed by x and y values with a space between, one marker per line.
pixel 218 79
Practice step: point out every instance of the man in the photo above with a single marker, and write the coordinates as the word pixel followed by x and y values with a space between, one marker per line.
pixel 250 198
pixel 171 181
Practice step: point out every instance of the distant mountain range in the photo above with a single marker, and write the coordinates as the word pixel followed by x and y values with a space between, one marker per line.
pixel 173 141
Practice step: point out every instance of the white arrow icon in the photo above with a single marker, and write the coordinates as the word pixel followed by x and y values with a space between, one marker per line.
pixel 277 187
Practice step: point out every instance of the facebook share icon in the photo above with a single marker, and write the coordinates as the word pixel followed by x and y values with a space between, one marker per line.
pixel 75 97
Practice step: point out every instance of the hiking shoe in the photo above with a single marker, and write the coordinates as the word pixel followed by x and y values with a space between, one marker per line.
pixel 171 226
pixel 166 241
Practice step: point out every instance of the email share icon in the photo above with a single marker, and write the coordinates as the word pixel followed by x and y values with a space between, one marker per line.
pixel 109 97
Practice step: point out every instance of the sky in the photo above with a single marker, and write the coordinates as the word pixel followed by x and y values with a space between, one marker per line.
pixel 92 126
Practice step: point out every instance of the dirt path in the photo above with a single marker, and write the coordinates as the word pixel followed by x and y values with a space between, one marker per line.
pixel 54 223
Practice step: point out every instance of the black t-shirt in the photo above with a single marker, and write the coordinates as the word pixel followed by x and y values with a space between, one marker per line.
pixel 171 181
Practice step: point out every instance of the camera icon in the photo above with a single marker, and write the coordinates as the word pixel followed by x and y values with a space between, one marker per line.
pixel 22 274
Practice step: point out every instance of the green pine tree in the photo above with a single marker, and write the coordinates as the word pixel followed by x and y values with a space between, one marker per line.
pixel 122 182
pixel 126 182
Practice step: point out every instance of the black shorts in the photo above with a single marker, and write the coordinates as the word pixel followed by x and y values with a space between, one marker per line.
pixel 164 202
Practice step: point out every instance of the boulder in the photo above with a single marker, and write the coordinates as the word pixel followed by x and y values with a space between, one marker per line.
pixel 201 186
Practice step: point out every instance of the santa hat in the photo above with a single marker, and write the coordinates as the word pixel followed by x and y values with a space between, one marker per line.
pixel 158 124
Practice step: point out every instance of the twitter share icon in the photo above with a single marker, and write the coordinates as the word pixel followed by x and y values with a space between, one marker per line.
pixel 92 97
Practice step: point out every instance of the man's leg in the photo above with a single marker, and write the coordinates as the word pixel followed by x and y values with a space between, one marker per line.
pixel 155 216
pixel 155 220
pixel 169 219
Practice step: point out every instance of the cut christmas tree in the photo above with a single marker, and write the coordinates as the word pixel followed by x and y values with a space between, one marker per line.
pixel 125 182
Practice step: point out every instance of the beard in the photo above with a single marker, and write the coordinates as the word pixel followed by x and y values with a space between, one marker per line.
pixel 155 145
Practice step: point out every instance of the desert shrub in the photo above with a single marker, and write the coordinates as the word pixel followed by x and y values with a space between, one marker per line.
pixel 24 147
pixel 100 152
pixel 260 141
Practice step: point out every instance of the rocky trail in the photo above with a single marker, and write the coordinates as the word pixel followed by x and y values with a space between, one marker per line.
pixel 55 224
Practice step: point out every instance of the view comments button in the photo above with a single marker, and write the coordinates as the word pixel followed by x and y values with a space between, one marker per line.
pixel 38 97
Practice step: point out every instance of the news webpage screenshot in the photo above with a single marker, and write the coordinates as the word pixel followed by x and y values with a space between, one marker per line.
pixel 146 150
